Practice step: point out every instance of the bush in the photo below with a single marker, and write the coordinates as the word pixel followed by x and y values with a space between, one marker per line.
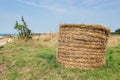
pixel 23 30
pixel 117 31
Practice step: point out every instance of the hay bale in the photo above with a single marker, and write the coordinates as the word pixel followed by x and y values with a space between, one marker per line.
pixel 82 45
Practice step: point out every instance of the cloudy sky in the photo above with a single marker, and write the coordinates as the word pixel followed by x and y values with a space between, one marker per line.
pixel 46 15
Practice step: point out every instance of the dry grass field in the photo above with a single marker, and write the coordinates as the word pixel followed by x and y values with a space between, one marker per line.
pixel 36 60
pixel 47 40
pixel 114 40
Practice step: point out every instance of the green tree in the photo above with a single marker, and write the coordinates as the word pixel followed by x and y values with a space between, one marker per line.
pixel 117 31
pixel 23 30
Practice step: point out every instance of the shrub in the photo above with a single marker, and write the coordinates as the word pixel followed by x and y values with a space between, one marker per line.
pixel 117 31
pixel 23 30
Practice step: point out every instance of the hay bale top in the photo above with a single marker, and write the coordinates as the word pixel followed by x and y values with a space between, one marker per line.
pixel 87 26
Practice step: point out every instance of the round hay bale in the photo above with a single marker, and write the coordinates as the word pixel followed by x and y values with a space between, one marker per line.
pixel 82 45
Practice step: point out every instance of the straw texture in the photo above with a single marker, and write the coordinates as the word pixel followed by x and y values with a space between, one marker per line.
pixel 82 45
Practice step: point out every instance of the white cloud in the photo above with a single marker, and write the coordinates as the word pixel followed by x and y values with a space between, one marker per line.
pixel 45 5
pixel 71 6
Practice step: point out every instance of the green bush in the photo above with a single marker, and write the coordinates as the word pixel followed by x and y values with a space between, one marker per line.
pixel 23 30
pixel 117 31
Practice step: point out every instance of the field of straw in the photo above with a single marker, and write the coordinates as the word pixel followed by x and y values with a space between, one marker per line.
pixel 114 40
pixel 47 39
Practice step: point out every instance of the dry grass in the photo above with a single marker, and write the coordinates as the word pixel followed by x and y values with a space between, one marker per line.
pixel 113 41
pixel 48 39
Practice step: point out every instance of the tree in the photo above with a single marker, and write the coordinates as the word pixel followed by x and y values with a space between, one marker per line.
pixel 23 30
pixel 117 31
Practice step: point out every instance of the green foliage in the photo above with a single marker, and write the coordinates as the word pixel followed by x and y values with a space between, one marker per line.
pixel 23 30
pixel 50 59
pixel 110 51
pixel 13 75
pixel 117 31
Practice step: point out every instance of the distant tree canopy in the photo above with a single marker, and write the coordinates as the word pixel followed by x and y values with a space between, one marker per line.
pixel 23 30
pixel 117 31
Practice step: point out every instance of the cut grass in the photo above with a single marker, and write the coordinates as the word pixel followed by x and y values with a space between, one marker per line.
pixel 33 61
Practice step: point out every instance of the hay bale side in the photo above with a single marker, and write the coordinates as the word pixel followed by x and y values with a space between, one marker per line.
pixel 82 45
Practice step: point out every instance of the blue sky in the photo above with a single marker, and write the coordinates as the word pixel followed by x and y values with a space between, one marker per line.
pixel 46 15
